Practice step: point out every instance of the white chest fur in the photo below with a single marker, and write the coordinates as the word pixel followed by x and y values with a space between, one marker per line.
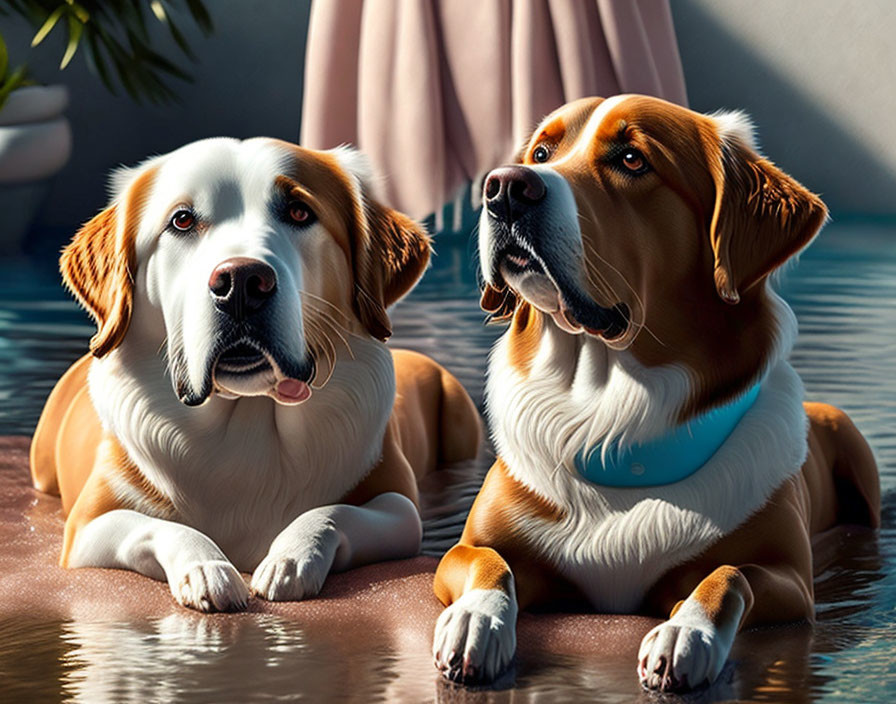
pixel 241 470
pixel 614 543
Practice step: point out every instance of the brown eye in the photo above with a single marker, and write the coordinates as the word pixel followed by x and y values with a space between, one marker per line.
pixel 634 161
pixel 300 213
pixel 541 154
pixel 183 220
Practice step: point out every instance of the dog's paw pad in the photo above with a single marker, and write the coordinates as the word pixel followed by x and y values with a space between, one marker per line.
pixel 211 586
pixel 475 637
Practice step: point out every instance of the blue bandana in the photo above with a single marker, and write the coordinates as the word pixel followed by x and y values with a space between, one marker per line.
pixel 671 457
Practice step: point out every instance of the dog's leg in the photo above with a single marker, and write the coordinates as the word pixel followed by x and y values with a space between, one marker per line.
pixel 475 637
pixel 198 573
pixel 336 538
pixel 102 531
pixel 771 583
pixel 692 646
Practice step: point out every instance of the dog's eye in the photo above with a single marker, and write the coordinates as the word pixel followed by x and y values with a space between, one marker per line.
pixel 541 154
pixel 183 220
pixel 633 161
pixel 300 213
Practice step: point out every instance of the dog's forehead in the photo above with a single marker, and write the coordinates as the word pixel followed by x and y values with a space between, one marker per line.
pixel 571 117
pixel 201 168
pixel 615 115
pixel 576 124
pixel 579 127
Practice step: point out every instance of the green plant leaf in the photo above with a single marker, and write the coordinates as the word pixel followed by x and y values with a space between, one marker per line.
pixel 181 41
pixel 99 63
pixel 201 16
pixel 81 13
pixel 4 59
pixel 75 29
pixel 115 37
pixel 16 79
pixel 158 9
pixel 133 18
pixel 48 25
pixel 165 65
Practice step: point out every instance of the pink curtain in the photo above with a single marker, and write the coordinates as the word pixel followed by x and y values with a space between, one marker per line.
pixel 437 92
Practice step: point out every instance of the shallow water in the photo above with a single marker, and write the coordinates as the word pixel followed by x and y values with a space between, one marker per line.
pixel 844 294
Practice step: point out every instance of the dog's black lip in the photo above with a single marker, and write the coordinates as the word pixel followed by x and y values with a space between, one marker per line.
pixel 242 358
pixel 620 317
pixel 609 323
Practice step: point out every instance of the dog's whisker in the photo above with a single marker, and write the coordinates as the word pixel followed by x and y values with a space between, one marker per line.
pixel 327 303
pixel 318 349
pixel 642 325
pixel 325 343
pixel 324 319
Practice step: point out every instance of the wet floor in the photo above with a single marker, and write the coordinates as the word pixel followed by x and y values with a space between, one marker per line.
pixel 844 294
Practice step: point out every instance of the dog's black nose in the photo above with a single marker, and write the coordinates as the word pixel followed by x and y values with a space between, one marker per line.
pixel 511 190
pixel 240 286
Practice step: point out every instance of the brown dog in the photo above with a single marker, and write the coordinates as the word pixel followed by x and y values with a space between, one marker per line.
pixel 655 453
pixel 240 412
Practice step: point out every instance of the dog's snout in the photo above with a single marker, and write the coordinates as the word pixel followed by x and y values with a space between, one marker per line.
pixel 511 190
pixel 240 286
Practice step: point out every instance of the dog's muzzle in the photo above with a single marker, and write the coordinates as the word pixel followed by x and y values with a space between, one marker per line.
pixel 515 199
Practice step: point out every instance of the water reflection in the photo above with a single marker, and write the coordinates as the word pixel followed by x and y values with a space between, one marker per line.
pixel 190 657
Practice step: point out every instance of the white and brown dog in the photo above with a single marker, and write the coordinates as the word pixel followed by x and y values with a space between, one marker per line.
pixel 654 450
pixel 240 411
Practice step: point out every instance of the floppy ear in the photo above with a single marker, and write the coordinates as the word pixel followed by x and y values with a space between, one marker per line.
pixel 761 216
pixel 391 253
pixel 99 263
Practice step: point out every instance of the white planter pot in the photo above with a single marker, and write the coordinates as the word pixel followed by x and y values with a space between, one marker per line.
pixel 33 152
pixel 35 143
pixel 34 104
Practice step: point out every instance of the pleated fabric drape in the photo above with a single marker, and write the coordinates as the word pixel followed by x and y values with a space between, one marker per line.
pixel 437 92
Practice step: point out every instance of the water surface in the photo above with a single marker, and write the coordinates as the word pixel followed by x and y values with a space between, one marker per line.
pixel 844 294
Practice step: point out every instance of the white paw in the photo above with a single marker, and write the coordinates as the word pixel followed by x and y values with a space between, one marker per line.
pixel 298 571
pixel 214 585
pixel 475 637
pixel 675 656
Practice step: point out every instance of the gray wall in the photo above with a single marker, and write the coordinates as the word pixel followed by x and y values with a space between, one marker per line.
pixel 248 82
pixel 819 79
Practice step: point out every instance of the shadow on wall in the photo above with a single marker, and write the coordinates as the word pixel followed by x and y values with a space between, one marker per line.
pixel 794 130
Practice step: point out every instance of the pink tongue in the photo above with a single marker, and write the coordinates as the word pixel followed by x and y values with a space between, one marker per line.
pixel 292 391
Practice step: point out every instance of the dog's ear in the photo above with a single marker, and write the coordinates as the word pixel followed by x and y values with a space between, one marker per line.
pixel 98 265
pixel 390 256
pixel 390 251
pixel 761 216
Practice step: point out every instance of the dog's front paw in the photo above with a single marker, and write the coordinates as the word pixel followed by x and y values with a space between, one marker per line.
pixel 295 572
pixel 214 585
pixel 475 637
pixel 676 657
